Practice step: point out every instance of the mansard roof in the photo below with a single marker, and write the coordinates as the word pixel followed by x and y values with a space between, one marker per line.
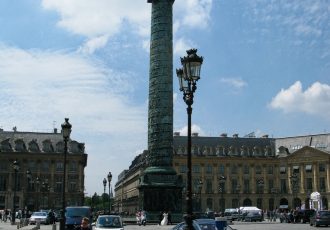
pixel 37 142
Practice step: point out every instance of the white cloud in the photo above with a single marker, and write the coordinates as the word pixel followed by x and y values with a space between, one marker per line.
pixel 93 44
pixel 237 83
pixel 46 85
pixel 95 18
pixel 194 129
pixel 181 45
pixel 102 19
pixel 193 13
pixel 314 100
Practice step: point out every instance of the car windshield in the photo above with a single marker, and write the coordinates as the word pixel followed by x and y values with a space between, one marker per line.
pixel 39 214
pixel 325 213
pixel 77 212
pixel 207 226
pixel 108 222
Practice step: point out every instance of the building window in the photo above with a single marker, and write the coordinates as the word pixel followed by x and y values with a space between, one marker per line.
pixel 234 184
pixel 246 169
pixel 209 186
pixel 72 187
pixel 283 186
pixel 59 166
pixel 32 165
pixel 45 166
pixel 221 169
pixel 322 184
pixel 282 170
pixel 3 184
pixel 195 169
pixel 258 169
pixel 322 167
pixel 209 169
pixel 73 166
pixel 58 187
pixel 183 168
pixel 309 183
pixel 209 203
pixel 270 169
pixel 246 186
pixel 3 166
pixel 270 185
pixel 295 169
pixel 308 168
pixel 234 169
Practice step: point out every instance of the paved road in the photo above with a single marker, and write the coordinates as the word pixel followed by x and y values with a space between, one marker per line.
pixel 235 225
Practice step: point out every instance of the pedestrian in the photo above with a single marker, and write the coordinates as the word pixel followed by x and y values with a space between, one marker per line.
pixel 169 218
pixel 160 218
pixel 84 224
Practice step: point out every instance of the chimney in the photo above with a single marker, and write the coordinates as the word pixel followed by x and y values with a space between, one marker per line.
pixel 55 130
pixel 223 135
pixel 194 134
pixel 235 135
pixel 176 134
pixel 265 136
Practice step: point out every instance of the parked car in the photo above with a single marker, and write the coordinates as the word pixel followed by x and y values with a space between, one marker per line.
pixel 320 217
pixel 74 215
pixel 253 216
pixel 231 214
pixel 41 217
pixel 198 224
pixel 113 222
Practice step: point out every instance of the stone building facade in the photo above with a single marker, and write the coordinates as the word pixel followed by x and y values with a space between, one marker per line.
pixel 42 155
pixel 229 172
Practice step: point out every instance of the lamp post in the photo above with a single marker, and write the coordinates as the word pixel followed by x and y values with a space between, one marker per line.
pixel 238 190
pixel 29 178
pixel 200 186
pixel 222 181
pixel 188 76
pixel 294 187
pixel 66 131
pixel 16 169
pixel 104 185
pixel 37 191
pixel 109 180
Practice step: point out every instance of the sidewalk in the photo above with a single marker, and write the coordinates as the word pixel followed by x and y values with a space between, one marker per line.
pixel 7 226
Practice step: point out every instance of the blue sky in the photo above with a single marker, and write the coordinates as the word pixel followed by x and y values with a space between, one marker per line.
pixel 266 70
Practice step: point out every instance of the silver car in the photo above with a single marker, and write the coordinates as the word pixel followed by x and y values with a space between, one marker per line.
pixel 113 222
pixel 41 217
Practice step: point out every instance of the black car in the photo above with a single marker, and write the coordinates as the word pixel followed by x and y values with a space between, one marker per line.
pixel 320 217
pixel 253 216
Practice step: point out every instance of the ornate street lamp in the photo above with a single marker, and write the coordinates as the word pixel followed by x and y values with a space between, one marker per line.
pixel 188 76
pixel 109 180
pixel 66 131
pixel 16 169
pixel 104 185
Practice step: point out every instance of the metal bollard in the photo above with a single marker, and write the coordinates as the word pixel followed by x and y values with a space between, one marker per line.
pixel 54 227
pixel 38 225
